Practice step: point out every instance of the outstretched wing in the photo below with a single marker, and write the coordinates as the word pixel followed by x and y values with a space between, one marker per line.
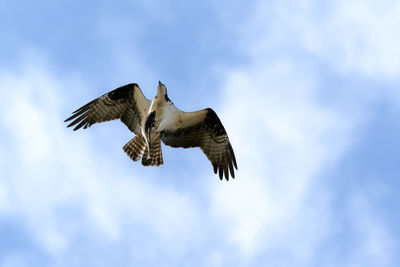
pixel 203 129
pixel 126 103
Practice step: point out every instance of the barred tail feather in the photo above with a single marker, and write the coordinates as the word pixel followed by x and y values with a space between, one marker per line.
pixel 153 156
pixel 135 147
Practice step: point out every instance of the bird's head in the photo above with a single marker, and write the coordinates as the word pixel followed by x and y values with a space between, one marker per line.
pixel 162 91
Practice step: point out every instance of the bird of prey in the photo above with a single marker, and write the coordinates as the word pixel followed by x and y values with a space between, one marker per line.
pixel 159 120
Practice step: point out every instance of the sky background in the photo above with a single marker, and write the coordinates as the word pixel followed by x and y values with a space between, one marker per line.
pixel 307 90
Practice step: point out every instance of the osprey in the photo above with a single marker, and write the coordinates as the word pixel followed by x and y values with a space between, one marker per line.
pixel 159 120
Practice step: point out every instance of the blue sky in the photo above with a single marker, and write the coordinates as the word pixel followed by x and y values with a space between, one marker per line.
pixel 307 90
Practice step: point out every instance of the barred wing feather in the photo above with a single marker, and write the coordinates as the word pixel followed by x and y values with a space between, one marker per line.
pixel 204 129
pixel 126 103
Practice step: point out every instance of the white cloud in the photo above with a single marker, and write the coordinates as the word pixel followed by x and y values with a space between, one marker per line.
pixel 363 34
pixel 283 138
pixel 50 170
pixel 350 36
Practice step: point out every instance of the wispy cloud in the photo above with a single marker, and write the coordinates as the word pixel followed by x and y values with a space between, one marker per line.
pixel 79 207
pixel 287 137
pixel 52 174
pixel 350 36
pixel 284 138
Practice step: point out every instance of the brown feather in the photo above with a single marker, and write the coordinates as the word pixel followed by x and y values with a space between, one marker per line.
pixel 180 129
pixel 135 147
pixel 126 103
pixel 209 134
pixel 153 156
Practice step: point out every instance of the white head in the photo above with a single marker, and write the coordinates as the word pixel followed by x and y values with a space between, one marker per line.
pixel 162 91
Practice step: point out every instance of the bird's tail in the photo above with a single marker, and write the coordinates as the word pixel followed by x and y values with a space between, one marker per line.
pixel 153 155
pixel 135 147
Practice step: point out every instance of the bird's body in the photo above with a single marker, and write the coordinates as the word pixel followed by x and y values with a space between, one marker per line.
pixel 159 120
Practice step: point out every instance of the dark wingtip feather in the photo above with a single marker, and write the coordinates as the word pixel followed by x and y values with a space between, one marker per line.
pixel 231 169
pixel 76 114
pixel 79 112
pixel 70 118
pixel 215 168
pixel 73 123
pixel 233 156
pixel 82 123
pixel 226 169
pixel 77 128
pixel 220 172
